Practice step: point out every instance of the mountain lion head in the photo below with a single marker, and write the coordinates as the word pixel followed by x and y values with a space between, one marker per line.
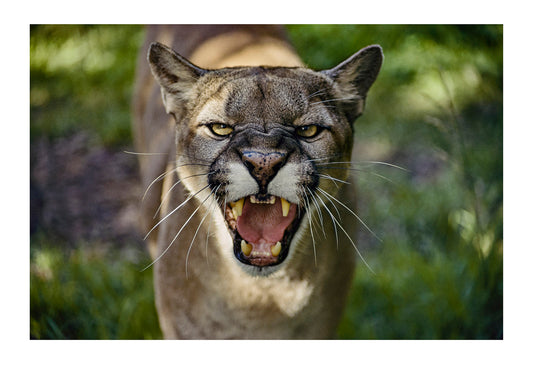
pixel 252 144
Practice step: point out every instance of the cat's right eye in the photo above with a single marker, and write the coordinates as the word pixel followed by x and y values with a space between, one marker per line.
pixel 220 129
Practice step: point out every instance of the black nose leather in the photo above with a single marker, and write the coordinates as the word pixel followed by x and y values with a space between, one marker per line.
pixel 263 166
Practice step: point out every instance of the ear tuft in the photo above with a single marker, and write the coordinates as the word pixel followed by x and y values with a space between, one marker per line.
pixel 174 73
pixel 355 76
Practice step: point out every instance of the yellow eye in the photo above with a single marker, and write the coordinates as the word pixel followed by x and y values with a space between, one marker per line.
pixel 221 129
pixel 307 131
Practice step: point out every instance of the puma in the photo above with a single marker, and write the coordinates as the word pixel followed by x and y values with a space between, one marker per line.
pixel 245 153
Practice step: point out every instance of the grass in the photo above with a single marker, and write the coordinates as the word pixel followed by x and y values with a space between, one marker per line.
pixel 85 295
pixel 436 110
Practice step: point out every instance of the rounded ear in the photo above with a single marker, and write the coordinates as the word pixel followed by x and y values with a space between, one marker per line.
pixel 174 73
pixel 355 76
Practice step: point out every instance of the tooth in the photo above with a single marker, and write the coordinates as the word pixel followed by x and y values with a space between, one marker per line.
pixel 236 207
pixel 247 248
pixel 255 200
pixel 285 206
pixel 276 249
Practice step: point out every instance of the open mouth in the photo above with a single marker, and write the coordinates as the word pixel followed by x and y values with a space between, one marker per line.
pixel 263 228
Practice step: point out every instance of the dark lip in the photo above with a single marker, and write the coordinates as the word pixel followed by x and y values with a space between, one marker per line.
pixel 285 241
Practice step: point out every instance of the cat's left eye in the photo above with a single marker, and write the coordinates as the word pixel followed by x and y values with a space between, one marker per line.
pixel 220 129
pixel 308 131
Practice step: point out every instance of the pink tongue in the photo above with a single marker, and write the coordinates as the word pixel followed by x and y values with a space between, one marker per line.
pixel 264 221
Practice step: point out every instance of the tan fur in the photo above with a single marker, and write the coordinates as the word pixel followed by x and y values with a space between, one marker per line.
pixel 248 51
pixel 201 289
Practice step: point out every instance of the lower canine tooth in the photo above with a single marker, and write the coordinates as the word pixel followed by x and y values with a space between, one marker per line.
pixel 276 249
pixel 285 206
pixel 246 248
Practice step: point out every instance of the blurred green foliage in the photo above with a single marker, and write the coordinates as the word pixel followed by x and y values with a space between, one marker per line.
pixel 420 61
pixel 81 78
pixel 436 110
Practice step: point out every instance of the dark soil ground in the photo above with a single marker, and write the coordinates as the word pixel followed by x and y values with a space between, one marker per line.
pixel 82 192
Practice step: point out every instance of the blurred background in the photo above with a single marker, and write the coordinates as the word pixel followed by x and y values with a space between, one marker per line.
pixel 433 119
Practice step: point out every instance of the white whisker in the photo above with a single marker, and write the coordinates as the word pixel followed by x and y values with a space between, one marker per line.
pixel 355 247
pixel 318 210
pixel 319 159
pixel 333 179
pixel 175 209
pixel 363 162
pixel 334 100
pixel 172 187
pixel 207 236
pixel 317 93
pixel 155 180
pixel 332 218
pixel 360 171
pixel 382 163
pixel 346 233
pixel 308 211
pixel 349 210
pixel 145 153
pixel 181 229
pixel 197 229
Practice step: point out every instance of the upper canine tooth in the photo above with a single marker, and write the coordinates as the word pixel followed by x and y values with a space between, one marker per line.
pixel 246 248
pixel 276 249
pixel 285 206
pixel 236 207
